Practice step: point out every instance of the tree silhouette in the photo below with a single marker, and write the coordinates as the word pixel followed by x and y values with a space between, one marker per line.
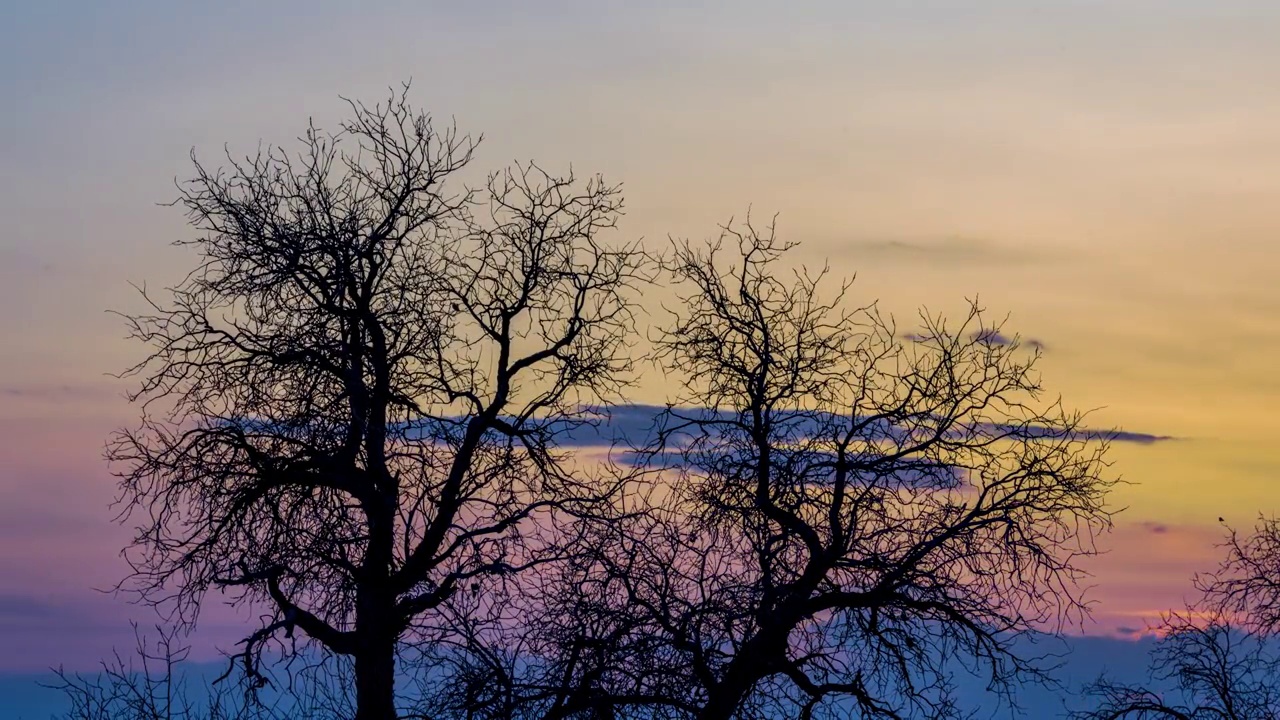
pixel 1216 670
pixel 1247 583
pixel 352 405
pixel 152 684
pixel 1220 656
pixel 842 513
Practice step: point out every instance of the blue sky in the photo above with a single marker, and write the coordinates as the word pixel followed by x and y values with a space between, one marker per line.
pixel 1123 660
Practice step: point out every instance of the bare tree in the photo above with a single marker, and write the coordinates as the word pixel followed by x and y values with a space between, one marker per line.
pixel 1219 658
pixel 1247 583
pixel 844 512
pixel 352 405
pixel 153 684
pixel 1210 670
pixel 159 680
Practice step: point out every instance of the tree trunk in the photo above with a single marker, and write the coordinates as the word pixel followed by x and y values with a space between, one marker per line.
pixel 726 696
pixel 376 639
pixel 376 634
pixel 375 680
pixel 751 664
pixel 723 701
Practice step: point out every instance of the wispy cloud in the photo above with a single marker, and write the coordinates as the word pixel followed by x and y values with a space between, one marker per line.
pixel 987 337
pixel 22 608
pixel 633 424
pixel 59 392
pixel 936 250
pixel 1140 438
pixel 15 262
pixel 995 337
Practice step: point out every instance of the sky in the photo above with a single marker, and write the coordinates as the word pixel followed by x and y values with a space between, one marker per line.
pixel 1104 172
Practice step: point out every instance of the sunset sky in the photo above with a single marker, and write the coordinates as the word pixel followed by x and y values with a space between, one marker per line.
pixel 1104 172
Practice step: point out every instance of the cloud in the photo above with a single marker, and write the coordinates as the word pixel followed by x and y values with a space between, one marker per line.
pixel 991 337
pixel 1138 438
pixel 936 250
pixel 44 612
pixel 987 337
pixel 59 392
pixel 995 337
pixel 19 263
pixel 27 608
pixel 635 424
pixel 632 427
pixel 41 630
pixel 48 518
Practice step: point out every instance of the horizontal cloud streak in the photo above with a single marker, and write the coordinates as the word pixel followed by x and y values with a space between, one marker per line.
pixel 634 425
pixel 938 250
pixel 987 337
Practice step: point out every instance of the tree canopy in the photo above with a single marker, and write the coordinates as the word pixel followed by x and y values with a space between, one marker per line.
pixel 361 413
